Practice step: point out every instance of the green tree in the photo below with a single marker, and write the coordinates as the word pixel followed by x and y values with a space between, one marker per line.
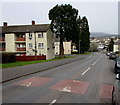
pixel 84 35
pixel 110 47
pixel 63 23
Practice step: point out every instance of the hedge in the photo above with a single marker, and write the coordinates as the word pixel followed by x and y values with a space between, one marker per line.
pixel 8 57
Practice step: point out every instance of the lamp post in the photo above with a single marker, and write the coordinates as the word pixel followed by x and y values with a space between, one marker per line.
pixel 79 46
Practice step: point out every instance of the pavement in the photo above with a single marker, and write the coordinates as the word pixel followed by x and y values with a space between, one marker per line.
pixel 17 72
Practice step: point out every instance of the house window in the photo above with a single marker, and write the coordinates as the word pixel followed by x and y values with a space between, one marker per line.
pixel 40 35
pixel 30 35
pixel 40 45
pixel 56 53
pixel 20 35
pixel 56 48
pixel 21 46
pixel 30 45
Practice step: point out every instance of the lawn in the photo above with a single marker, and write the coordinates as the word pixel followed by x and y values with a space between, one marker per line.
pixel 21 63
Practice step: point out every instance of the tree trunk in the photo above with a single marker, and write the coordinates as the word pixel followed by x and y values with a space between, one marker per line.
pixel 61 48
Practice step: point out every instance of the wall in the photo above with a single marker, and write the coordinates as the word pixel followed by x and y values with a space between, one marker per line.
pixel 40 51
pixel 115 48
pixel 66 45
pixel 42 40
pixel 10 42
pixel 57 48
pixel 29 51
pixel 50 45
pixel 30 58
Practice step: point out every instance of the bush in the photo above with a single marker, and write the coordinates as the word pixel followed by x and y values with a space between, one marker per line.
pixel 8 57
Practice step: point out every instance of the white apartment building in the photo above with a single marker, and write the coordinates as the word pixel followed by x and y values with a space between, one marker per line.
pixel 35 39
pixel 66 45
pixel 116 47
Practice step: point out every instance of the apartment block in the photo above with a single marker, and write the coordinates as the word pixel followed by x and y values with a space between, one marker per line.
pixel 66 45
pixel 28 40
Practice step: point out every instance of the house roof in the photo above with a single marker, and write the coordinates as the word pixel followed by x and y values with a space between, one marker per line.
pixel 25 28
pixel 117 43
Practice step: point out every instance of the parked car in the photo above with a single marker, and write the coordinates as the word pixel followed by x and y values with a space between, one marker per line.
pixel 112 56
pixel 108 53
pixel 116 91
pixel 117 65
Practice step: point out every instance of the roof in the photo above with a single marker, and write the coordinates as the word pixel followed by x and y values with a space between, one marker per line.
pixel 117 43
pixel 25 28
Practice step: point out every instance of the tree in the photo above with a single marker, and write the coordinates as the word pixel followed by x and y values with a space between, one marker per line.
pixel 110 47
pixel 63 23
pixel 84 35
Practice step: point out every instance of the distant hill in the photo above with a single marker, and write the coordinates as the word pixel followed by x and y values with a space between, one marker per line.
pixel 98 34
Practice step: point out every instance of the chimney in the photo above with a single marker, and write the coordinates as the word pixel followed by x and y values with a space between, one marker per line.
pixel 5 24
pixel 33 22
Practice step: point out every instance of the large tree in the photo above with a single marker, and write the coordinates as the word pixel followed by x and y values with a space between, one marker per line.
pixel 84 35
pixel 63 23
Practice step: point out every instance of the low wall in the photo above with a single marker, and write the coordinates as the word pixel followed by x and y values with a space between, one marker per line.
pixel 30 58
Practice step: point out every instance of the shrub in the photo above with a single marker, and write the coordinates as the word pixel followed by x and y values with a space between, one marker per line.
pixel 8 57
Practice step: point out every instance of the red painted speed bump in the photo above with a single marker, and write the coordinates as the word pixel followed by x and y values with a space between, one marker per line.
pixel 33 82
pixel 106 91
pixel 72 86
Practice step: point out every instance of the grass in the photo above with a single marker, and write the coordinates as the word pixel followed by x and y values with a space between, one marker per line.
pixel 86 53
pixel 22 63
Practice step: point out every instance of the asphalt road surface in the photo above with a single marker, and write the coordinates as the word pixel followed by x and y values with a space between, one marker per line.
pixel 89 80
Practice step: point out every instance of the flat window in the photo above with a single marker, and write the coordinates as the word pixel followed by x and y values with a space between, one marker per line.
pixel 40 35
pixel 30 35
pixel 40 45
pixel 56 47
pixel 30 45
pixel 56 53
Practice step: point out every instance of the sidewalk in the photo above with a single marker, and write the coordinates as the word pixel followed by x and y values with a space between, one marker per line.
pixel 16 72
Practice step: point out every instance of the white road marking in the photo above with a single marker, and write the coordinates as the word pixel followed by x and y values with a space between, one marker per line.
pixel 86 71
pixel 26 84
pixel 66 89
pixel 53 102
pixel 94 63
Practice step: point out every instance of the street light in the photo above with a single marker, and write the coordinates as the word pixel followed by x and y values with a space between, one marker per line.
pixel 79 46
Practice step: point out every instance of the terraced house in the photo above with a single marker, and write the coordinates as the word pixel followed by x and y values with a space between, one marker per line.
pixel 28 40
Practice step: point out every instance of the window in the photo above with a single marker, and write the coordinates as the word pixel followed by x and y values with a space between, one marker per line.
pixel 21 46
pixel 56 48
pixel 56 53
pixel 30 35
pixel 40 45
pixel 30 45
pixel 40 35
pixel 20 34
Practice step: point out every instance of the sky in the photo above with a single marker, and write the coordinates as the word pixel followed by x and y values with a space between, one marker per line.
pixel 102 16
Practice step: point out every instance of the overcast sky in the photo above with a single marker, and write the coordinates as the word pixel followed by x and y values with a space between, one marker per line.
pixel 102 16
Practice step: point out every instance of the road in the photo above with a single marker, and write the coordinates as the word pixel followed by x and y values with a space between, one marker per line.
pixel 89 80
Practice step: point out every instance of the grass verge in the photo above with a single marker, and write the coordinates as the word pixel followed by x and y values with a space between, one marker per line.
pixel 86 53
pixel 22 63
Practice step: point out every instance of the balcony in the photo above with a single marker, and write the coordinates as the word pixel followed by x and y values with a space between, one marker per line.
pixel 21 49
pixel 20 39
pixel 2 39
pixel 2 49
